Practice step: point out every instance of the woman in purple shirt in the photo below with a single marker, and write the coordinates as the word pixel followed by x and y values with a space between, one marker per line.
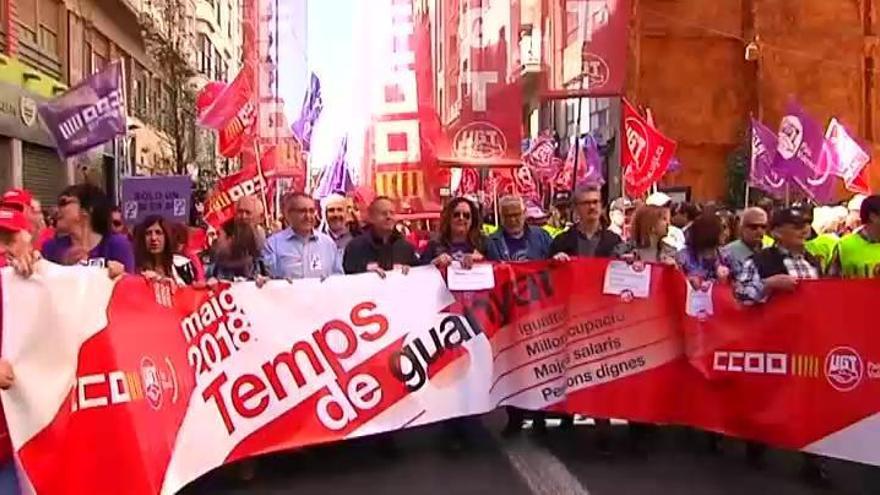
pixel 83 232
pixel 460 239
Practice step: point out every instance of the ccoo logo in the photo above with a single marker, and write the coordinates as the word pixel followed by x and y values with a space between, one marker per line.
pixel 844 368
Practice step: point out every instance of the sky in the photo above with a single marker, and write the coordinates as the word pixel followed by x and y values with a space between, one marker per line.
pixel 334 42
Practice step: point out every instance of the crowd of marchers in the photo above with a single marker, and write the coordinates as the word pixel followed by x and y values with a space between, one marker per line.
pixel 760 251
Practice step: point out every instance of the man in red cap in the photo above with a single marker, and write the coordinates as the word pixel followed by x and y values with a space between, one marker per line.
pixel 15 243
pixel 23 201
pixel 15 236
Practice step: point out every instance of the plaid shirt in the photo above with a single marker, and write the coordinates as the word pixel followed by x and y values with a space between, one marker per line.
pixel 749 286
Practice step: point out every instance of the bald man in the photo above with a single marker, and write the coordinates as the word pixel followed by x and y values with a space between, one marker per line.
pixel 752 230
pixel 249 209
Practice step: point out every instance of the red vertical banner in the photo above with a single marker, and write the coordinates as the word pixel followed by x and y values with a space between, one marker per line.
pixel 586 48
pixel 400 143
pixel 482 104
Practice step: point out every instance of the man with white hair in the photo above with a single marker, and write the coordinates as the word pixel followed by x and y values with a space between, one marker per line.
pixel 753 228
pixel 249 210
pixel 336 223
pixel 516 240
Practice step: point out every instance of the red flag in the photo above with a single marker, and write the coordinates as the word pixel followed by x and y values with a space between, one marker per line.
pixel 220 206
pixel 591 53
pixel 647 153
pixel 233 114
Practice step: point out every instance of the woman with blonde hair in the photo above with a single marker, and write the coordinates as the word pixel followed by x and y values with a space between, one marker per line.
pixel 649 227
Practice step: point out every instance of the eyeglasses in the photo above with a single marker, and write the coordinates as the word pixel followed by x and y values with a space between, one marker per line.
pixel 588 202
pixel 301 211
pixel 756 226
pixel 464 215
pixel 62 202
pixel 117 223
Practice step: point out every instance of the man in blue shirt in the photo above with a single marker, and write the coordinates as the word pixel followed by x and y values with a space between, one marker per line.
pixel 300 251
pixel 517 241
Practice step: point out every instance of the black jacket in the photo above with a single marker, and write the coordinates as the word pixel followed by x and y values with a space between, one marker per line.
pixel 367 248
pixel 771 261
pixel 567 242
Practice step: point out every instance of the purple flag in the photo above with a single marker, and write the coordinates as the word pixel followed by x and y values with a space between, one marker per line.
pixel 313 104
pixel 763 174
pixel 594 165
pixel 801 147
pixel 336 178
pixel 89 114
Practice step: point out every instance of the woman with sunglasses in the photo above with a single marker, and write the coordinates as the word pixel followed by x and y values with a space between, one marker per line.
pixel 85 236
pixel 155 254
pixel 461 238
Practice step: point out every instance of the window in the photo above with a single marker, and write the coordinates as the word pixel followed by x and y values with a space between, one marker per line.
pixel 48 41
pixel 218 10
pixel 229 21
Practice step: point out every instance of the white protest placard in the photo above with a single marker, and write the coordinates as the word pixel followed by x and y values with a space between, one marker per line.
pixel 632 278
pixel 479 277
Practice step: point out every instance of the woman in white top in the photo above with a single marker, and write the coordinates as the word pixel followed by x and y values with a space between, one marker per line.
pixel 154 253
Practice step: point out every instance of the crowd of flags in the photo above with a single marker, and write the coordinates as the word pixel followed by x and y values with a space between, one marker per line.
pixel 800 155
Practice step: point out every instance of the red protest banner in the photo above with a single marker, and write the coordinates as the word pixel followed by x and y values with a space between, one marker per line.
pixel 481 111
pixel 646 154
pixel 230 374
pixel 586 47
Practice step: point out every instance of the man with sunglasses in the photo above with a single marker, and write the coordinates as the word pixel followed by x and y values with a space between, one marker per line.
pixel 752 231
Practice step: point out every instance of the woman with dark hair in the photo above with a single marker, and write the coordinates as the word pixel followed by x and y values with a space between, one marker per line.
pixel 155 255
pixel 236 253
pixel 729 226
pixel 461 238
pixel 84 234
pixel 645 244
pixel 701 260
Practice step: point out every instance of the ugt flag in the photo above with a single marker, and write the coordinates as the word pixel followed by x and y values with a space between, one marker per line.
pixel 647 153
pixel 89 114
pixel 847 159
pixel 801 146
pixel 762 171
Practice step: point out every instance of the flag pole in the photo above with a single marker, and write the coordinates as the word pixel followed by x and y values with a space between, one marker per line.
pixel 748 190
pixel 259 160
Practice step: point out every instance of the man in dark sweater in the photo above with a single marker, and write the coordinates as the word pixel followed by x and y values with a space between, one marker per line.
pixel 381 247
pixel 587 238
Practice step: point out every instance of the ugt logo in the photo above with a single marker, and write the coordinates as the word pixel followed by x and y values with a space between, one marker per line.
pixel 844 368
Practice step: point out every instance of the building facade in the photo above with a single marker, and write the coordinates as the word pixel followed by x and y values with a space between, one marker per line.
pixel 689 63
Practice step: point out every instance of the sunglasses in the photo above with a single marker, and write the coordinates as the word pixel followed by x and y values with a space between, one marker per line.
pixel 117 223
pixel 464 215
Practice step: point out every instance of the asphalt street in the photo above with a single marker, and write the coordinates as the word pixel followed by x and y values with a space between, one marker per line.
pixel 674 461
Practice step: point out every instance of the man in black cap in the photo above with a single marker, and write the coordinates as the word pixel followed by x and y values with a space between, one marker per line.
pixel 778 269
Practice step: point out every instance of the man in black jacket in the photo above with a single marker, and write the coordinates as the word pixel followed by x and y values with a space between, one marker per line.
pixel 587 238
pixel 381 247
